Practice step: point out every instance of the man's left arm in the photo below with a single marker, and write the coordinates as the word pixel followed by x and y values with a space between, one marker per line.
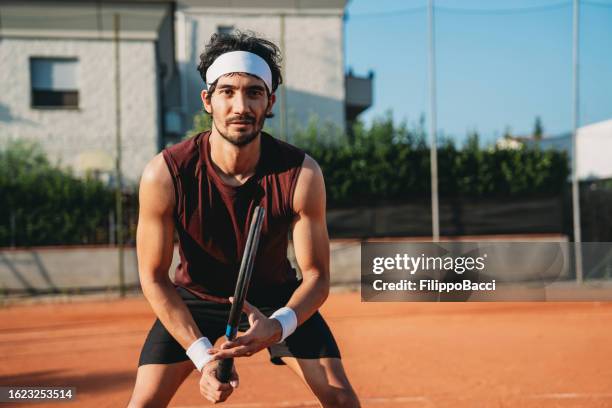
pixel 311 247
pixel 310 241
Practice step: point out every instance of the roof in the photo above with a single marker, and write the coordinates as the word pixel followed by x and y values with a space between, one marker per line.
pixel 329 7
pixel 139 19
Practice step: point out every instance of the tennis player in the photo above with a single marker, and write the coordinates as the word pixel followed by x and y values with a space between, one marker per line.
pixel 205 188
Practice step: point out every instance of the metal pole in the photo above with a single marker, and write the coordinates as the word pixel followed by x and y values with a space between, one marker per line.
pixel 433 154
pixel 13 230
pixel 181 56
pixel 283 87
pixel 575 184
pixel 118 183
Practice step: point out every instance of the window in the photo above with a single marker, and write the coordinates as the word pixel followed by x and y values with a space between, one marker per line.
pixel 54 82
pixel 225 29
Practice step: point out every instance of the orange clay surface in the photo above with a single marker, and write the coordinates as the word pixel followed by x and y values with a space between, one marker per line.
pixel 395 354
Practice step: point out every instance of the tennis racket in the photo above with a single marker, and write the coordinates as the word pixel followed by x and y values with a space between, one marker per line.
pixel 224 369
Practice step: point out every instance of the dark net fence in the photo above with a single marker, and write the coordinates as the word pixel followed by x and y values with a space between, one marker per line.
pixel 466 215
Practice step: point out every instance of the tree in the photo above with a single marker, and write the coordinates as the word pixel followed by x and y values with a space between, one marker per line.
pixel 201 122
pixel 538 130
pixel 44 205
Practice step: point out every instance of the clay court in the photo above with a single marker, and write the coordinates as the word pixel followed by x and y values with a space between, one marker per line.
pixel 396 354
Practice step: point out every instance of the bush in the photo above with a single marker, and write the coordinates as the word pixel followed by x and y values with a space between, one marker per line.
pixel 44 205
pixel 392 163
pixel 201 123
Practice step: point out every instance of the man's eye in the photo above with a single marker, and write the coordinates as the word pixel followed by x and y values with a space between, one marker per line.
pixel 226 91
pixel 256 93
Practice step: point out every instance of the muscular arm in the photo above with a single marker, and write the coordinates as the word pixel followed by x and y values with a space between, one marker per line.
pixel 154 246
pixel 310 241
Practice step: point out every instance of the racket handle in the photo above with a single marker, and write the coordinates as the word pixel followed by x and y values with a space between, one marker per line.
pixel 224 370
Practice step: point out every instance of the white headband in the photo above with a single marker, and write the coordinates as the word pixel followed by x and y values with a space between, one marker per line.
pixel 239 61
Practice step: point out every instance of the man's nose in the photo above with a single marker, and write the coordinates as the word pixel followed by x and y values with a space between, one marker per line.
pixel 240 103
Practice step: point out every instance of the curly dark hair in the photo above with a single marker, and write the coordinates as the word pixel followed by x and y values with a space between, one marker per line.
pixel 241 41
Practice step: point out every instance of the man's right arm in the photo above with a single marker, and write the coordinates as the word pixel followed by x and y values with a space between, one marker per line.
pixel 155 246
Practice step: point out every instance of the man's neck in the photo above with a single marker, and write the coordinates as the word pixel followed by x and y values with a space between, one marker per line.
pixel 234 164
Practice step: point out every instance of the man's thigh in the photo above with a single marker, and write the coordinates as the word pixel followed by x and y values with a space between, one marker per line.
pixel 327 380
pixel 156 384
pixel 312 353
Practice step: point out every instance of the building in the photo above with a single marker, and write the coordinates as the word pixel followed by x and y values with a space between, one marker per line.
pixel 58 62
pixel 58 83
pixel 593 144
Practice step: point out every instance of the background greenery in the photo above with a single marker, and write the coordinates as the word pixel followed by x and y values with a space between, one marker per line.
pixel 387 162
pixel 44 205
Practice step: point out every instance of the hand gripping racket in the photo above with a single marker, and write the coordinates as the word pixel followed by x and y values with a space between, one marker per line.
pixel 224 369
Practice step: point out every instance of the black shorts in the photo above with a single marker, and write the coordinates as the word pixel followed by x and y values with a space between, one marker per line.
pixel 311 340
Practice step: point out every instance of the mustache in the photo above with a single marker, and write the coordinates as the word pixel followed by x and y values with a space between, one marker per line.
pixel 238 119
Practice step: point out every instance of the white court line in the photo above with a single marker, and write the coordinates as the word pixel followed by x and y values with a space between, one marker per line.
pixel 313 403
pixel 570 395
pixel 286 404
pixel 383 400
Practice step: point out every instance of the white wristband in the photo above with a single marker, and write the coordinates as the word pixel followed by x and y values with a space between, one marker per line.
pixel 288 320
pixel 197 352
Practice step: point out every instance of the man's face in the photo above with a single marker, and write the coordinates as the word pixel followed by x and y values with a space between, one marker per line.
pixel 239 105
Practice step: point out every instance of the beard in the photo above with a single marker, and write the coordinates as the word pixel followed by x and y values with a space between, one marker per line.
pixel 241 138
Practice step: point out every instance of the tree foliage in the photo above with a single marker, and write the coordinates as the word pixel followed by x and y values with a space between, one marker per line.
pixel 44 205
pixel 201 122
pixel 386 162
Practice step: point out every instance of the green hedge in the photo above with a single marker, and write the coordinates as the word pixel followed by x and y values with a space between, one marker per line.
pixel 392 163
pixel 43 205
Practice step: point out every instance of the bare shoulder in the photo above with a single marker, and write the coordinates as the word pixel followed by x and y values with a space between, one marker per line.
pixel 310 173
pixel 156 171
pixel 156 187
pixel 310 187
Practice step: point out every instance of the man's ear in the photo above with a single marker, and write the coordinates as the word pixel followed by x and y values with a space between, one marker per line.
pixel 271 101
pixel 206 102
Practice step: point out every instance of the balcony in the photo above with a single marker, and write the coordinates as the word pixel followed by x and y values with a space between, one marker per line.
pixel 358 91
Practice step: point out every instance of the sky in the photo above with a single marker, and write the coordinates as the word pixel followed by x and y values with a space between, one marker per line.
pixel 499 64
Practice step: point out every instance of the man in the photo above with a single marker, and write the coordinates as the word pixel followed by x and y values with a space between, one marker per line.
pixel 207 187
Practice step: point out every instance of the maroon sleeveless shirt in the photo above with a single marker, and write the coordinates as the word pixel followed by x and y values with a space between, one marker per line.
pixel 213 219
